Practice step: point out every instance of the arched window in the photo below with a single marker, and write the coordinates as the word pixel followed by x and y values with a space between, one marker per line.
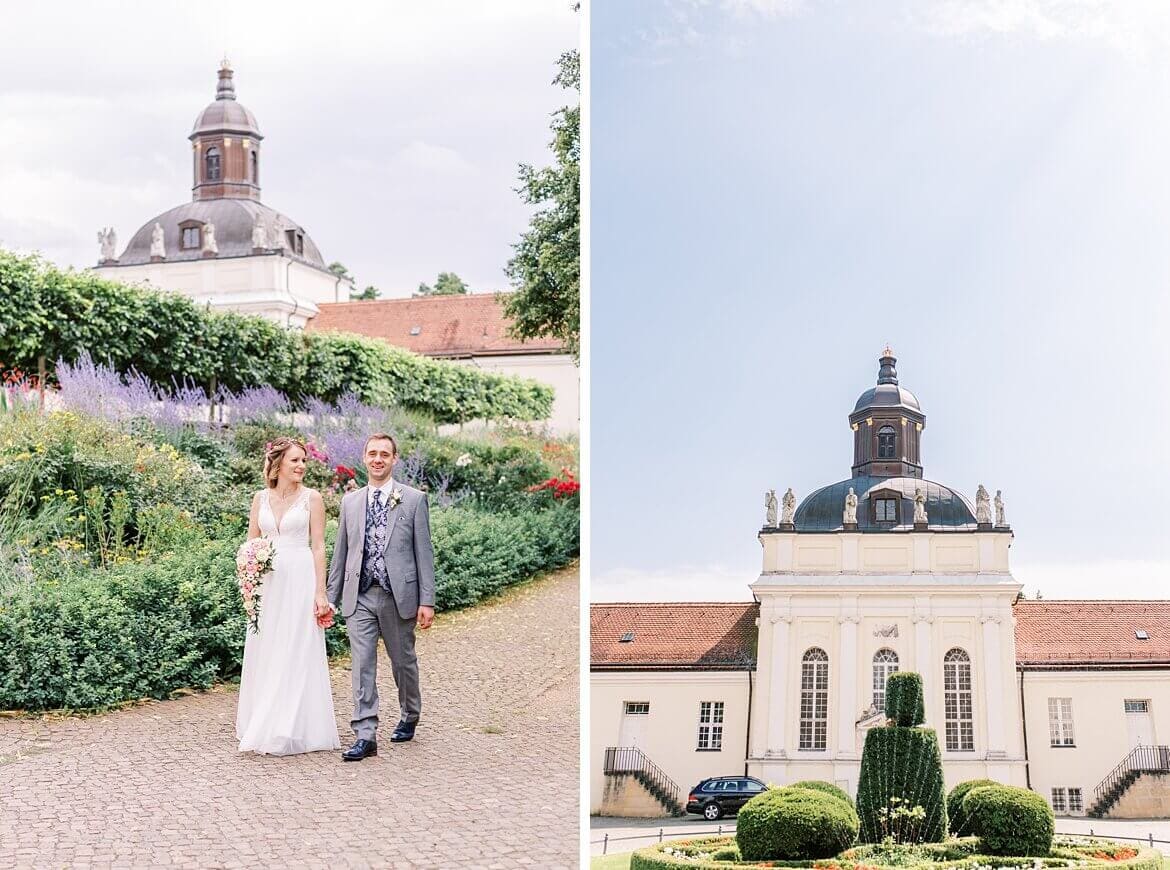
pixel 885 662
pixel 255 166
pixel 814 699
pixel 886 439
pixel 211 165
pixel 960 720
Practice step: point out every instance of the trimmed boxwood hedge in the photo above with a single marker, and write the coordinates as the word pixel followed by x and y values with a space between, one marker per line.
pixel 826 787
pixel 904 701
pixel 901 763
pixel 952 855
pixel 956 817
pixel 168 338
pixel 794 823
pixel 1009 820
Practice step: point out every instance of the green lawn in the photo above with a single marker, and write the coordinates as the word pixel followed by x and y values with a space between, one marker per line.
pixel 622 862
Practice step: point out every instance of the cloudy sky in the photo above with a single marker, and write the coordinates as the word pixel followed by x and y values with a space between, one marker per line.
pixel 780 188
pixel 392 129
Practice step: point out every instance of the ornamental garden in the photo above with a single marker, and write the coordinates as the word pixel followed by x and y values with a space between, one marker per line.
pixel 132 431
pixel 901 818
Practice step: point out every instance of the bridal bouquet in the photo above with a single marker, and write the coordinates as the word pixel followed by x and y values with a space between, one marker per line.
pixel 253 562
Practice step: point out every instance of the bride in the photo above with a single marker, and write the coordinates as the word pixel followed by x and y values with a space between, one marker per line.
pixel 286 701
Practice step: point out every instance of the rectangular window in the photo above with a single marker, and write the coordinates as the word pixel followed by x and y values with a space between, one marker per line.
pixel 887 510
pixel 1132 706
pixel 1060 724
pixel 1058 804
pixel 637 708
pixel 191 237
pixel 710 726
pixel 1075 804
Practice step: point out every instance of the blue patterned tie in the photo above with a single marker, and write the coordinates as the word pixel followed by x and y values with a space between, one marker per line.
pixel 375 558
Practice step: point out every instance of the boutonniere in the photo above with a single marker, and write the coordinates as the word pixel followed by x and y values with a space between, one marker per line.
pixel 395 498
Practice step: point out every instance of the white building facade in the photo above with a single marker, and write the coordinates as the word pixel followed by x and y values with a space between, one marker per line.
pixel 880 572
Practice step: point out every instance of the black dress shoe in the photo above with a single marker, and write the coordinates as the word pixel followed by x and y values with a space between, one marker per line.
pixel 403 731
pixel 360 749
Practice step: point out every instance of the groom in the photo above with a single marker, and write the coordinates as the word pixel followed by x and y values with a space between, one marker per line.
pixel 382 578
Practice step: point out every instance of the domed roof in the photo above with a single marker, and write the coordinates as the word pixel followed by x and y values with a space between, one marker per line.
pixel 945 509
pixel 225 114
pixel 887 393
pixel 233 220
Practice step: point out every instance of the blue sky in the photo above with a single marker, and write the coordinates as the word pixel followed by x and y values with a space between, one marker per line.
pixel 780 188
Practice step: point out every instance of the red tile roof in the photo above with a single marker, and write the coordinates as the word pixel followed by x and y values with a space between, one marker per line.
pixel 447 326
pixel 1092 632
pixel 708 636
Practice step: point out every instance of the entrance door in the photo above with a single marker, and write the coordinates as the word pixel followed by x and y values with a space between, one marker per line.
pixel 632 734
pixel 1141 726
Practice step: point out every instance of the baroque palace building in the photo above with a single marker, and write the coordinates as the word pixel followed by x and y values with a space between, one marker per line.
pixel 883 571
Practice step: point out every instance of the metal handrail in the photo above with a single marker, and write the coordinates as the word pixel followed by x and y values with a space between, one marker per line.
pixel 1141 759
pixel 631 759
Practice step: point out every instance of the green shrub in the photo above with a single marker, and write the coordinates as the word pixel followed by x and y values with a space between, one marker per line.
pixel 826 787
pixel 1010 820
pixel 956 817
pixel 904 701
pixel 794 823
pixel 169 338
pixel 903 764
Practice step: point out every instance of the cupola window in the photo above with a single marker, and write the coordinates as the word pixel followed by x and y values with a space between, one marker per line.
pixel 211 165
pixel 191 238
pixel 255 166
pixel 296 241
pixel 885 510
pixel 886 442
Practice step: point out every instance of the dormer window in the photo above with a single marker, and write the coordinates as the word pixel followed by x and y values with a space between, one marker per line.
pixel 190 236
pixel 886 443
pixel 884 507
pixel 211 169
pixel 295 240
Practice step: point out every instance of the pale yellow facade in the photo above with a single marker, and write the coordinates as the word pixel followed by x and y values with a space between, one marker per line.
pixel 557 370
pixel 669 732
pixel 1103 732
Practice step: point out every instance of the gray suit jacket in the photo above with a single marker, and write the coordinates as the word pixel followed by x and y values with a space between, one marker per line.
pixel 410 558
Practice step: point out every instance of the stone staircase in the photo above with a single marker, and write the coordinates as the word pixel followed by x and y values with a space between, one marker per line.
pixel 625 765
pixel 1145 765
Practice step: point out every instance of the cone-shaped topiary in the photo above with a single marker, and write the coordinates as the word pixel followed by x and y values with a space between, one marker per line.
pixel 904 703
pixel 956 816
pixel 900 789
pixel 794 824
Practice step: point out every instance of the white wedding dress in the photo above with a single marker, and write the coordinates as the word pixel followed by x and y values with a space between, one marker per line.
pixel 286 702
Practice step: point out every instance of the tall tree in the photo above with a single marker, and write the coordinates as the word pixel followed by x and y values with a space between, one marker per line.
pixel 447 284
pixel 546 268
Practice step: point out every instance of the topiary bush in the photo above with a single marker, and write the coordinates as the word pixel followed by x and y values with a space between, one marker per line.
pixel 904 702
pixel 956 816
pixel 822 786
pixel 794 824
pixel 901 771
pixel 1010 821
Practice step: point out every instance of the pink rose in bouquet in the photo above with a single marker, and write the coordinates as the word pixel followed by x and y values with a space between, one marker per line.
pixel 253 562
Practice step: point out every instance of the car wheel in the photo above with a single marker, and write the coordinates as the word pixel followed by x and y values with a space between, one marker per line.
pixel 712 811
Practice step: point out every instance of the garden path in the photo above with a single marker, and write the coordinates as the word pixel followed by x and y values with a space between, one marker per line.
pixel 490 780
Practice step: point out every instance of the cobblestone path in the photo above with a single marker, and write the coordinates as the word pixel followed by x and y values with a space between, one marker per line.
pixel 489 781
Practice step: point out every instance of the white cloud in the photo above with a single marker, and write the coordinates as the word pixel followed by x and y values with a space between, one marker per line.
pixel 717 583
pixel 764 8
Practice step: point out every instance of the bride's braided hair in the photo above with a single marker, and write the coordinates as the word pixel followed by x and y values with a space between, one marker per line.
pixel 274 455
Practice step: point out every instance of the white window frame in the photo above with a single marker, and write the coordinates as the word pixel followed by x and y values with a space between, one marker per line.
pixel 710 727
pixel 636 708
pixel 1060 722
pixel 814 701
pixel 1076 801
pixel 958 701
pixel 885 662
pixel 1059 800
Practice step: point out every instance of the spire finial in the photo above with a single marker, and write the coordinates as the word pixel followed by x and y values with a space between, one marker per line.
pixel 226 89
pixel 887 374
pixel 889 351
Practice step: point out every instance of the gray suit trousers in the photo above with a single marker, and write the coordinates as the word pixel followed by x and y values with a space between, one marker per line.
pixel 377 616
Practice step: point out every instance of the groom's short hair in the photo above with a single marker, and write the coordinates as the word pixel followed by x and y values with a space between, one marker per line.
pixel 381 436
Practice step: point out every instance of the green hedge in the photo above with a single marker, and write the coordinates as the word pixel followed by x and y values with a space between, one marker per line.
pixel 902 764
pixel 701 854
pixel 1009 820
pixel 794 823
pixel 91 639
pixel 168 337
pixel 956 817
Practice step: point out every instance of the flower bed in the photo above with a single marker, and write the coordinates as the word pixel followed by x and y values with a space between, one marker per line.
pixel 721 852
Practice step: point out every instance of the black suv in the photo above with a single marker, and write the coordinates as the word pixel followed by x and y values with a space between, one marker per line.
pixel 716 797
